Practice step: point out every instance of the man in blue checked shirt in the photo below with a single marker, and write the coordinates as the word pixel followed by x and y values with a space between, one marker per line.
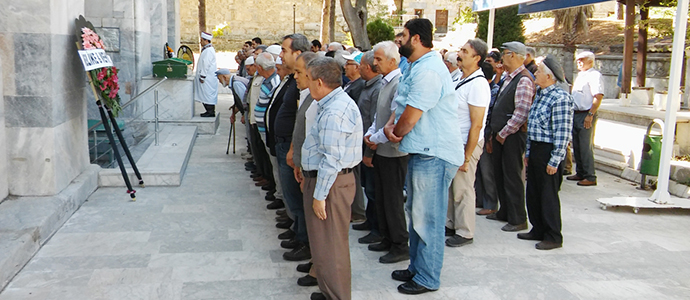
pixel 330 151
pixel 550 123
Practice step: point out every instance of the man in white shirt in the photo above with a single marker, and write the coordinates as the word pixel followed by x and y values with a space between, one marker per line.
pixel 205 81
pixel 587 95
pixel 474 95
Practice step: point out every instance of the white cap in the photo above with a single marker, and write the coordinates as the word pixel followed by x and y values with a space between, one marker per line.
pixel 279 61
pixel 206 36
pixel 249 61
pixel 274 49
pixel 583 54
pixel 355 56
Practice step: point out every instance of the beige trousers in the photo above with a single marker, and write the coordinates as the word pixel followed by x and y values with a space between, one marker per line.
pixel 462 197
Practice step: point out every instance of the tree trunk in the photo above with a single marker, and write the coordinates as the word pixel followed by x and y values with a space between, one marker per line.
pixel 202 15
pixel 356 18
pixel 325 16
pixel 331 21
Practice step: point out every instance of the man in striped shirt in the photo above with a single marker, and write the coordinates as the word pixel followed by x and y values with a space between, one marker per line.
pixel 266 67
pixel 550 123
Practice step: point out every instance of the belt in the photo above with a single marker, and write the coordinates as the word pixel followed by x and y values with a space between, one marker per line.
pixel 313 173
pixel 581 111
pixel 280 139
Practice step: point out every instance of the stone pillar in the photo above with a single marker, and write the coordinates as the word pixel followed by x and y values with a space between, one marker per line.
pixel 159 28
pixel 142 27
pixel 3 152
pixel 44 104
pixel 174 24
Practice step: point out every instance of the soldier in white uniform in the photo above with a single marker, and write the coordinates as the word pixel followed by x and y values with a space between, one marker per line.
pixel 205 80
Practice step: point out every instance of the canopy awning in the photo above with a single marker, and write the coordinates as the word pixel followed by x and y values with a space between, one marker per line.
pixel 479 5
pixel 528 7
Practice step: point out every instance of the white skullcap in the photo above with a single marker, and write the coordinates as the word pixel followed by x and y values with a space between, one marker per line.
pixel 249 61
pixel 206 36
pixel 274 49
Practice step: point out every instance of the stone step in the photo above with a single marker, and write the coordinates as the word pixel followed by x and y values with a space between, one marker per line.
pixel 609 165
pixel 26 223
pixel 162 165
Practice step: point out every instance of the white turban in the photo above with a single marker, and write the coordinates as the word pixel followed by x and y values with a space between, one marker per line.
pixel 206 36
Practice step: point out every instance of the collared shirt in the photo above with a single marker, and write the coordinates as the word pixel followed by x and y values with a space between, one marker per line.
pixel 551 121
pixel 285 119
pixel 253 93
pixel 267 88
pixel 523 100
pixel 588 84
pixel 334 142
pixel 368 99
pixel 456 75
pixel 426 85
pixel 377 136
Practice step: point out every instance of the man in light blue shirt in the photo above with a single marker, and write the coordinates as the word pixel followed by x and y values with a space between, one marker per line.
pixel 426 125
pixel 330 151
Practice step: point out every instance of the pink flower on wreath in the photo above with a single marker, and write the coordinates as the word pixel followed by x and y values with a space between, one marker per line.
pixel 91 40
pixel 113 93
pixel 101 74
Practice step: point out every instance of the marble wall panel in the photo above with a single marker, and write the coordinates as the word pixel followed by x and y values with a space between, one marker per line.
pixel 174 23
pixel 32 64
pixel 7 55
pixel 26 16
pixel 68 78
pixel 100 8
pixel 30 155
pixel 71 156
pixel 28 111
pixel 62 15
pixel 159 28
pixel 3 142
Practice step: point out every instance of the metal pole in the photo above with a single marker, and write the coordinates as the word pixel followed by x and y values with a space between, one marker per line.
pixel 95 144
pixel 155 99
pixel 490 34
pixel 661 194
pixel 294 19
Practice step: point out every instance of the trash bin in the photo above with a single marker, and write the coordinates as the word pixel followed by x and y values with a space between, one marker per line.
pixel 651 150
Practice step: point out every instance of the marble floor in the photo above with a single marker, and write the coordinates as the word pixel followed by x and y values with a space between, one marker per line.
pixel 213 238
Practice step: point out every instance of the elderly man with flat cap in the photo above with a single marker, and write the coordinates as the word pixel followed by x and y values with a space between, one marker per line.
pixel 508 134
pixel 550 123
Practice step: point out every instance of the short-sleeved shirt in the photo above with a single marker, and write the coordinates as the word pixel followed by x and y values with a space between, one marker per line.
pixel 476 92
pixel 426 85
pixel 587 85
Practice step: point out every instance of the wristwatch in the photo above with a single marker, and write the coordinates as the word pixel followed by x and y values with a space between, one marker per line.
pixel 589 113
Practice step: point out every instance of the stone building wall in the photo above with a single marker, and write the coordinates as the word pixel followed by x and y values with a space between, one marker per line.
pixel 269 20
pixel 3 141
pixel 44 107
pixel 429 8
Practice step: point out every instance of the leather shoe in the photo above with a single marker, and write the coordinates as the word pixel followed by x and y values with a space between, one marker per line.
pixel 494 216
pixel 249 164
pixel 458 241
pixel 511 227
pixel 412 288
pixel 362 226
pixel 282 218
pixel 585 182
pixel 289 234
pixel 485 211
pixel 304 268
pixel 262 182
pixel 284 225
pixel 402 275
pixel 275 204
pixel 300 253
pixel 318 296
pixel 394 257
pixel 281 212
pixel 450 231
pixel 269 197
pixel 289 244
pixel 258 178
pixel 546 245
pixel 382 246
pixel 565 172
pixel 254 175
pixel 575 177
pixel 269 188
pixel 529 236
pixel 370 239
pixel 307 280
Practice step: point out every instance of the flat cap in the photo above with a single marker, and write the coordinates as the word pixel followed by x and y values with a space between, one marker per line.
pixel 516 47
pixel 223 71
pixel 555 67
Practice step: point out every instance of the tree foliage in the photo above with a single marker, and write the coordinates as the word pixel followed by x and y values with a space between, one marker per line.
pixel 507 26
pixel 379 31
pixel 572 22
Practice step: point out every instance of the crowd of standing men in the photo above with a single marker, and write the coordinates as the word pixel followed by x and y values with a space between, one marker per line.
pixel 411 131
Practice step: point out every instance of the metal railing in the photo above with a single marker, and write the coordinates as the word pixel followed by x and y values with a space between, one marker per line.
pixel 98 141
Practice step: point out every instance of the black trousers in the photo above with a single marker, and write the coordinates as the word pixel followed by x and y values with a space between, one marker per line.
pixel 261 159
pixel 389 182
pixel 543 204
pixel 210 108
pixel 508 164
pixel 583 146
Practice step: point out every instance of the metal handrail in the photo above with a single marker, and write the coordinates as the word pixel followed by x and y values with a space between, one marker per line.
pixel 155 85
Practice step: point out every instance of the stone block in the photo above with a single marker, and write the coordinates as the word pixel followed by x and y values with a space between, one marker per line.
pixel 99 9
pixel 63 13
pixel 7 55
pixel 26 16
pixel 174 98
pixel 33 53
pixel 28 111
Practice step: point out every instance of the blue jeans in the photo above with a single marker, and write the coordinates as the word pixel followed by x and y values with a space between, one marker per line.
pixel 428 180
pixel 291 192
